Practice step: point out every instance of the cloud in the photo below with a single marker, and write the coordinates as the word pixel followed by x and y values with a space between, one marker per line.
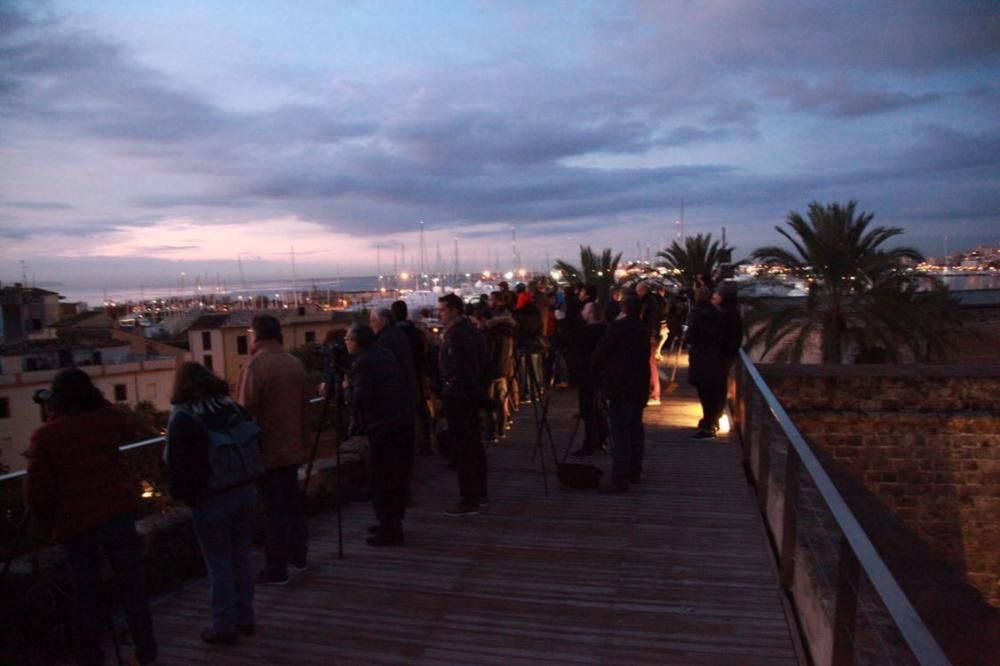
pixel 841 97
pixel 36 205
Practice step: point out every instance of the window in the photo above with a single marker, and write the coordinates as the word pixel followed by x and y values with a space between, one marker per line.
pixel 241 345
pixel 4 408
pixel 310 337
pixel 206 340
pixel 206 360
pixel 121 393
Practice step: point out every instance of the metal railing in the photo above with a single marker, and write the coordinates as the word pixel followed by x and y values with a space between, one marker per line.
pixel 762 423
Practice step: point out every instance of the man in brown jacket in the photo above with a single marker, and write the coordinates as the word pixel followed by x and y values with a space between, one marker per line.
pixel 274 390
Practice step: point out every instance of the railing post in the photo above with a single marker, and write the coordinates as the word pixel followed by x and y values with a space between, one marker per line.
pixel 763 461
pixel 790 518
pixel 846 606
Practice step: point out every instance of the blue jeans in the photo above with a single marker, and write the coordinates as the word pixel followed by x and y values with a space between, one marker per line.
pixel 285 518
pixel 83 558
pixel 628 440
pixel 223 525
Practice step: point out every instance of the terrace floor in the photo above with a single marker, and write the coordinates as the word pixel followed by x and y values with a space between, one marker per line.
pixel 676 571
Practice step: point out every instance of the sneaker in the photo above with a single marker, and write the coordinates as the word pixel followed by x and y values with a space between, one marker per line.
pixel 703 434
pixel 215 638
pixel 652 402
pixel 300 566
pixel 484 501
pixel 463 510
pixel 264 577
pixel 246 629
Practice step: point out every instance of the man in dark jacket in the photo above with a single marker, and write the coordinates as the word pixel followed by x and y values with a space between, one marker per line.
pixel 377 389
pixel 704 336
pixel 584 344
pixel 465 379
pixel 622 359
pixel 418 348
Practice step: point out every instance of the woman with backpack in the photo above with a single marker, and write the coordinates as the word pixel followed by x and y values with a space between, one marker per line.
pixel 221 494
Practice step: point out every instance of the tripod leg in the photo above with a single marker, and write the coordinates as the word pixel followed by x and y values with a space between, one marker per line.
pixel 319 431
pixel 540 423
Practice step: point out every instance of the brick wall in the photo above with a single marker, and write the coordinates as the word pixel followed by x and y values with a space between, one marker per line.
pixel 924 439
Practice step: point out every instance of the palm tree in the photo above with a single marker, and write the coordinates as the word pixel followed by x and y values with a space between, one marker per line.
pixel 594 269
pixel 860 296
pixel 699 255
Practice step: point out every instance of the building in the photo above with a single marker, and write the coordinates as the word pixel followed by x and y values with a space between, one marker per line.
pixel 122 374
pixel 25 312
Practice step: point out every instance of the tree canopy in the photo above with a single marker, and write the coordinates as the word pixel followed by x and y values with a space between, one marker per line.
pixel 597 269
pixel 699 255
pixel 862 300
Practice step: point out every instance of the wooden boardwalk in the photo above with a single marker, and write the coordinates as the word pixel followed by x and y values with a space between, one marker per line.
pixel 674 572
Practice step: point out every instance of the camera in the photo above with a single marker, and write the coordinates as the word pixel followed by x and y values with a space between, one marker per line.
pixel 41 396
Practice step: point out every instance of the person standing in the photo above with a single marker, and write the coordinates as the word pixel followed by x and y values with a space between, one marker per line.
pixel 222 517
pixel 418 348
pixel 730 341
pixel 377 388
pixel 588 399
pixel 622 359
pixel 650 313
pixel 81 497
pixel 465 379
pixel 703 336
pixel 274 390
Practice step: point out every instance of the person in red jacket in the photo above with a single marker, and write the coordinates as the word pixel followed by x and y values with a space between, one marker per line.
pixel 81 497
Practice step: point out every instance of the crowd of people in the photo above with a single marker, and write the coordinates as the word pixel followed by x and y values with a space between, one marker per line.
pixel 408 389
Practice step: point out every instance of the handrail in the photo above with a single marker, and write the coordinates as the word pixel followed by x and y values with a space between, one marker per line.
pixel 124 447
pixel 916 634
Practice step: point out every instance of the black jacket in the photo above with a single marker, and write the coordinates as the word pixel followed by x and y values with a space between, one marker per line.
pixel 464 363
pixel 704 337
pixel 529 328
pixel 394 339
pixel 584 343
pixel 379 393
pixel 731 338
pixel 621 361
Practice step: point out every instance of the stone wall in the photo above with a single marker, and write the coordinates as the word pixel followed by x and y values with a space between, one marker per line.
pixel 924 439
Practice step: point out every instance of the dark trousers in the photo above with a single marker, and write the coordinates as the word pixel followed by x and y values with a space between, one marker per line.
pixel 595 428
pixel 392 465
pixel 470 455
pixel 712 395
pixel 285 518
pixel 120 542
pixel 628 440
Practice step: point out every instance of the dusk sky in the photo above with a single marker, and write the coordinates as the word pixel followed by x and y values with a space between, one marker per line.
pixel 139 140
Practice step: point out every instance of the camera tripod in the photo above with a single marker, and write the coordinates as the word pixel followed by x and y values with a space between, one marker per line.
pixel 334 394
pixel 540 410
